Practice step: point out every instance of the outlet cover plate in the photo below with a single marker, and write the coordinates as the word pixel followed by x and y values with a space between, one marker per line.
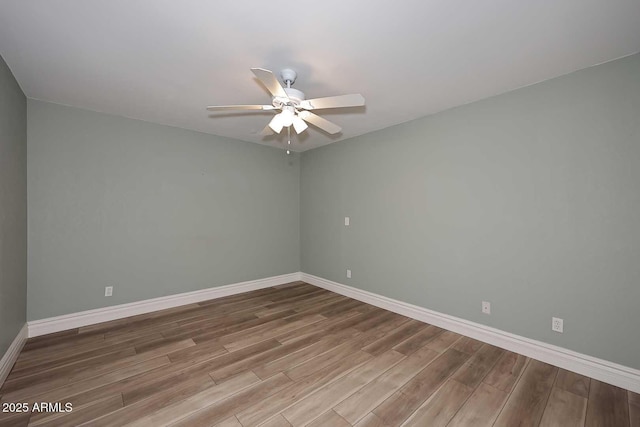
pixel 486 307
pixel 557 324
pixel 108 291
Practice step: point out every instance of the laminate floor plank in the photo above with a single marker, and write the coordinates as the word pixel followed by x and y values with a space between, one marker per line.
pixel 291 302
pixel 330 418
pixel 481 409
pixel 564 409
pixel 278 402
pixel 272 332
pixel 53 337
pixel 35 391
pixel 574 383
pixel 401 404
pixel 184 408
pixel 321 326
pixel 137 407
pixel 142 353
pixel 300 352
pixel 143 384
pixel 223 409
pixel 352 322
pixel 291 360
pixel 265 357
pixel 634 409
pixel 467 345
pixel 46 361
pixel 371 420
pixel 63 347
pixel 14 420
pixel 384 319
pixel 277 421
pixel 333 355
pixel 607 406
pixel 229 422
pixel 202 351
pixel 301 304
pixel 288 285
pixel 36 368
pixel 175 386
pixel 160 321
pixel 359 404
pixel 634 415
pixel 60 375
pixel 309 408
pixel 211 318
pixel 215 325
pixel 44 342
pixel 247 327
pixel 529 398
pixel 442 406
pixel 333 309
pixel 479 365
pixel 210 324
pixel 82 414
pixel 46 394
pixel 443 341
pixel 506 372
pixel 398 335
pixel 418 340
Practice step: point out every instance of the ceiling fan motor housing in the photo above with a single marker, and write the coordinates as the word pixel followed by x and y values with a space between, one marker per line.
pixel 294 94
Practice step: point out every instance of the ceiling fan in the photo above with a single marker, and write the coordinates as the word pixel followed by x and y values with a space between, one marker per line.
pixel 293 109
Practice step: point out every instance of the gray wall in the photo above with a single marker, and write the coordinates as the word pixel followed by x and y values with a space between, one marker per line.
pixel 150 209
pixel 13 208
pixel 529 200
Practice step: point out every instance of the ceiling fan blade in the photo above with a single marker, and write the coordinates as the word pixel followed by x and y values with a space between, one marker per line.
pixel 276 124
pixel 240 107
pixel 319 122
pixel 270 82
pixel 299 125
pixel 351 100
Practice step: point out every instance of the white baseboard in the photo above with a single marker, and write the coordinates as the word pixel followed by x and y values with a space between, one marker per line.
pixel 99 315
pixel 10 356
pixel 602 370
pixel 599 369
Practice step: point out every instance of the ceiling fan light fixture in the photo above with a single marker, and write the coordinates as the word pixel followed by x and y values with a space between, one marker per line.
pixel 287 116
pixel 276 124
pixel 299 125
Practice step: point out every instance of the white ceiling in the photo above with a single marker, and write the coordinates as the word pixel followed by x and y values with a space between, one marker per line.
pixel 164 60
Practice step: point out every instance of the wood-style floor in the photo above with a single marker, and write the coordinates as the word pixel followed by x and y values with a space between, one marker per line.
pixel 296 355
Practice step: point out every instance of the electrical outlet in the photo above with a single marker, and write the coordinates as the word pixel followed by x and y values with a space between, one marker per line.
pixel 557 324
pixel 346 220
pixel 486 307
pixel 348 274
pixel 108 291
